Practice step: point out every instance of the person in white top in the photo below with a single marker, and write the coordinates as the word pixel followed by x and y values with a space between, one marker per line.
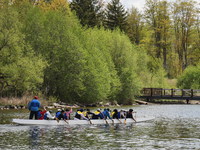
pixel 48 115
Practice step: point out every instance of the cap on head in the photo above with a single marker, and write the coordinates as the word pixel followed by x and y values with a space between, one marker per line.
pixel 36 97
pixel 98 109
pixel 50 111
pixel 67 110
pixel 59 109
pixel 81 109
pixel 62 111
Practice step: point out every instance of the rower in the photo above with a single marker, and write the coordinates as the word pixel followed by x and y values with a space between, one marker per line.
pixel 98 114
pixel 79 115
pixel 115 115
pixel 41 114
pixel 67 114
pixel 122 113
pixel 48 115
pixel 61 115
pixel 106 113
pixel 87 113
pixel 130 114
pixel 58 113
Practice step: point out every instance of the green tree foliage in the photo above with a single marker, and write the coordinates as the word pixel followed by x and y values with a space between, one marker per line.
pixel 88 11
pixel 184 19
pixel 135 25
pixel 190 78
pixel 20 69
pixel 116 16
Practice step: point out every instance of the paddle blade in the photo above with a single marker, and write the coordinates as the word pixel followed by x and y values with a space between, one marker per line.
pixel 57 119
pixel 90 122
pixel 106 122
pixel 125 121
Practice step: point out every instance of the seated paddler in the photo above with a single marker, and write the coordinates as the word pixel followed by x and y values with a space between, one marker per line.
pixel 79 115
pixel 87 113
pixel 130 114
pixel 106 113
pixel 98 114
pixel 67 113
pixel 48 115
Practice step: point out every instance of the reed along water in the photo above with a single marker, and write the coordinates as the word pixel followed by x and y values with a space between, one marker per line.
pixel 174 127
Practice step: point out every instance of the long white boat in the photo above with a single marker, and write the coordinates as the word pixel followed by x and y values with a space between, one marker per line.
pixel 77 122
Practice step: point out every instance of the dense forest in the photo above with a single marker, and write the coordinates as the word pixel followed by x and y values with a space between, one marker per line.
pixel 89 51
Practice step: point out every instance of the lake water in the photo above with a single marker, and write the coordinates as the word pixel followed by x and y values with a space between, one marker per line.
pixel 174 127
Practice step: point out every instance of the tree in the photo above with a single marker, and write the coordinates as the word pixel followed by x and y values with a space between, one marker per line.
pixel 20 68
pixel 89 12
pixel 183 17
pixel 116 16
pixel 135 25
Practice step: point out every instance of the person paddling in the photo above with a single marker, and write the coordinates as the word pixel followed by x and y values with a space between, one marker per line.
pixel 106 113
pixel 61 115
pixel 58 113
pixel 115 115
pixel 130 114
pixel 67 114
pixel 79 115
pixel 41 114
pixel 33 106
pixel 48 115
pixel 87 113
pixel 97 114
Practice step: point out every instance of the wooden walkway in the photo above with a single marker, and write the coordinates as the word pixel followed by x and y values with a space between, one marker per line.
pixel 179 94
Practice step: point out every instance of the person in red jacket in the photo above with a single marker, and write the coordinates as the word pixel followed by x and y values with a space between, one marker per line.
pixel 41 114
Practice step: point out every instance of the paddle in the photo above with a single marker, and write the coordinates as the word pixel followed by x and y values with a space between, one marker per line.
pixel 104 118
pixel 89 118
pixel 125 121
pixel 57 119
pixel 21 116
pixel 66 121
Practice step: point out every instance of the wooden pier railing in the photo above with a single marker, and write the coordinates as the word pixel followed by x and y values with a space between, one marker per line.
pixel 180 94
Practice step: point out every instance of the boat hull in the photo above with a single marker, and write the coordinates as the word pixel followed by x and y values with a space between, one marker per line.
pixel 75 122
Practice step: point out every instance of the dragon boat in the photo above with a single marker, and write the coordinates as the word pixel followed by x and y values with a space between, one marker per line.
pixel 78 122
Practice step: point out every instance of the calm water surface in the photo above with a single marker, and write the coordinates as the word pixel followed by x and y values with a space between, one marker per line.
pixel 174 127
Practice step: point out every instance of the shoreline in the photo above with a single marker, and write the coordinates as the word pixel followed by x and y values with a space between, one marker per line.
pixel 100 104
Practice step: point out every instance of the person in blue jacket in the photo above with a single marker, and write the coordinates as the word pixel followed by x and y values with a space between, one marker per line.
pixel 33 107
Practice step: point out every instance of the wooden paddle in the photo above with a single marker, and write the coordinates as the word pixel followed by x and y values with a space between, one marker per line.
pixel 89 118
pixel 66 121
pixel 57 119
pixel 125 121
pixel 104 118
pixel 21 116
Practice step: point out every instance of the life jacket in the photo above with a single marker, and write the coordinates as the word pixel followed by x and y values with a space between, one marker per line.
pixel 129 115
pixel 96 115
pixel 45 116
pixel 118 115
pixel 85 113
pixel 39 114
pixel 78 115
pixel 57 114
pixel 112 113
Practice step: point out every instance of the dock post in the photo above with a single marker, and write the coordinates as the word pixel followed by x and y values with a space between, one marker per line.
pixel 187 101
pixel 147 99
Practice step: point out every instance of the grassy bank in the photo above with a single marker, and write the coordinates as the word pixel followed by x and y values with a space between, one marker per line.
pixel 23 101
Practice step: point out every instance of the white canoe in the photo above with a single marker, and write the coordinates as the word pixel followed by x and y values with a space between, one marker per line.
pixel 75 122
